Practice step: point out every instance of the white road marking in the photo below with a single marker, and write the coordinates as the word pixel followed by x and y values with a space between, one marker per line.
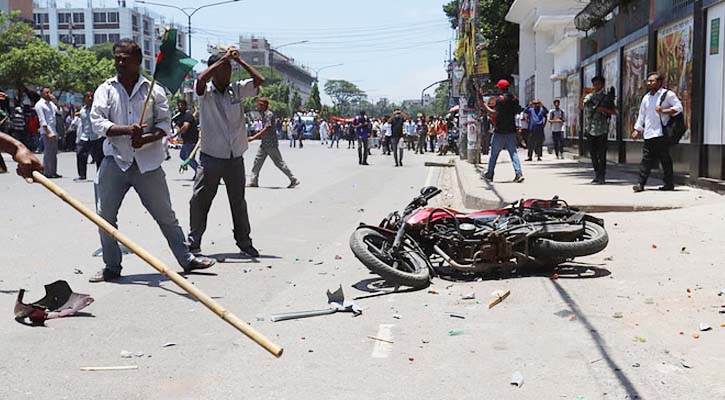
pixel 383 349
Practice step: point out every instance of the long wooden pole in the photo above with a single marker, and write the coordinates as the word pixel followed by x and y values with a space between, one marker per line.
pixel 146 102
pixel 160 266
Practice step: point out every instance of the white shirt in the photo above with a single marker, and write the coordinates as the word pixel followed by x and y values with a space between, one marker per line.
pixel 84 127
pixel 324 129
pixel 388 129
pixel 648 120
pixel 46 111
pixel 409 128
pixel 222 117
pixel 113 106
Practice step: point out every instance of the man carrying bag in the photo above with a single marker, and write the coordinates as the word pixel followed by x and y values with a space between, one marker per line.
pixel 658 124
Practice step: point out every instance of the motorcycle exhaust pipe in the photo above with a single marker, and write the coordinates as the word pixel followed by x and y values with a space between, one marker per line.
pixel 451 261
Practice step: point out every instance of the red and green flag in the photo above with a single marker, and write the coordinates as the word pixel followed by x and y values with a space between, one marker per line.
pixel 172 65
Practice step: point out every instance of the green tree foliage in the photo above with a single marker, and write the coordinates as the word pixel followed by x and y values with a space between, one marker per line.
pixel 502 36
pixel 296 102
pixel 345 95
pixel 103 50
pixel 313 101
pixel 25 60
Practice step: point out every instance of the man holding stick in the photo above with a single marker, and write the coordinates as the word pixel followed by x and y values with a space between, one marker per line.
pixel 222 146
pixel 133 155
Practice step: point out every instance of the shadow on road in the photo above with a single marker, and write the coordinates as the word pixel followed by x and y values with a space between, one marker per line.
pixel 241 258
pixel 599 341
pixel 564 271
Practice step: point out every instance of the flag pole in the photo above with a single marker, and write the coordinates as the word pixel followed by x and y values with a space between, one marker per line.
pixel 146 102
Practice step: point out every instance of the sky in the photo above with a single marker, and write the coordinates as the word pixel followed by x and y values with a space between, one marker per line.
pixel 390 49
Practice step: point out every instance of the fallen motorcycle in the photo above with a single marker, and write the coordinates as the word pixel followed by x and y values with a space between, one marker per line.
pixel 404 247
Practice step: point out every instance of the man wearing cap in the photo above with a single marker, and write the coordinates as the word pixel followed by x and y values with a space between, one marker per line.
pixel 223 143
pixel 269 146
pixel 504 136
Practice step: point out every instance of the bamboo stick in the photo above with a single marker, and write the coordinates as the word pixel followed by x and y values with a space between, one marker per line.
pixel 160 266
pixel 146 102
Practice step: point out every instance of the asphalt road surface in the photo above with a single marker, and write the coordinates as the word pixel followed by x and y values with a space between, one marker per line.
pixel 560 334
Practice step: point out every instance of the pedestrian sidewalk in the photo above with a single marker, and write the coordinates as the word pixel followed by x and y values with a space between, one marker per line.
pixel 570 180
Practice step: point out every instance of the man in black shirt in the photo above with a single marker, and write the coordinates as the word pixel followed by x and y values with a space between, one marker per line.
pixel 396 124
pixel 504 136
pixel 188 130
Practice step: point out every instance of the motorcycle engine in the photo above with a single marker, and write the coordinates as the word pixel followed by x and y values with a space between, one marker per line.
pixel 467 229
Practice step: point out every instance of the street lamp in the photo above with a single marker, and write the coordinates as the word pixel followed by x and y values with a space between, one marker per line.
pixel 188 14
pixel 428 87
pixel 317 70
pixel 273 49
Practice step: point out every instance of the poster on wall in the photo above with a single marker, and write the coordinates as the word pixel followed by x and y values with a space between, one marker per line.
pixel 674 59
pixel 633 84
pixel 589 72
pixel 572 106
pixel 610 71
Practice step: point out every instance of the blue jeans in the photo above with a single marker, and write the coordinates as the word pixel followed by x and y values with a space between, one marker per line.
pixel 186 150
pixel 499 142
pixel 113 184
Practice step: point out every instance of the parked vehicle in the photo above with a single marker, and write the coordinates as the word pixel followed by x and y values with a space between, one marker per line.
pixel 404 247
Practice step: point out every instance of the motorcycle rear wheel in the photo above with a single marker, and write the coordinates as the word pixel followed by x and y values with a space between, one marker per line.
pixel 595 240
pixel 410 269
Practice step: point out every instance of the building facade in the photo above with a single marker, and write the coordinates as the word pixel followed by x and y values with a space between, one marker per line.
pixel 258 51
pixel 92 26
pixel 623 41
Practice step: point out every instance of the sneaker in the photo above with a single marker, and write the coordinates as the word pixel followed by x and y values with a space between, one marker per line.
pixel 253 184
pixel 250 251
pixel 666 188
pixel 529 159
pixel 519 178
pixel 488 178
pixel 79 179
pixel 293 183
pixel 638 188
pixel 198 263
pixel 105 275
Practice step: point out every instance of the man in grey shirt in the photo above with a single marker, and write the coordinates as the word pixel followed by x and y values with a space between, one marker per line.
pixel 223 143
pixel 269 146
pixel 47 108
pixel 134 153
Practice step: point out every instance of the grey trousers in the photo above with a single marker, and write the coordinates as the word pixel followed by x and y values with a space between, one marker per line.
pixel 50 155
pixel 397 150
pixel 275 155
pixel 210 172
pixel 151 187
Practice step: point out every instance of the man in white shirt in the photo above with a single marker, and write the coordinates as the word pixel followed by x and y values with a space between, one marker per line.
pixel 324 131
pixel 47 109
pixel 133 155
pixel 657 107
pixel 87 142
pixel 223 143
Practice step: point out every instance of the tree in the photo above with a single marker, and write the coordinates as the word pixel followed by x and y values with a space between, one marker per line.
pixel 502 36
pixel 313 101
pixel 35 64
pixel 343 93
pixel 296 103
pixel 15 34
pixel 103 50
pixel 80 70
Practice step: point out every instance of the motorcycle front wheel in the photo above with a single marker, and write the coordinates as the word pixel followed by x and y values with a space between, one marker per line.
pixel 408 268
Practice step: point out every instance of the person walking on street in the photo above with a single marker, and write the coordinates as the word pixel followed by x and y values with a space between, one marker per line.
pixel 536 116
pixel 556 119
pixel 421 129
pixel 269 146
pixel 134 153
pixel 397 143
pixel 598 110
pixel 324 131
pixel 336 134
pixel 409 130
pixel 291 133
pixel 222 146
pixel 18 126
pixel 300 130
pixel 362 130
pixel 189 132
pixel 504 136
pixel 350 134
pixel 47 110
pixel 88 141
pixel 657 107
pixel 387 135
